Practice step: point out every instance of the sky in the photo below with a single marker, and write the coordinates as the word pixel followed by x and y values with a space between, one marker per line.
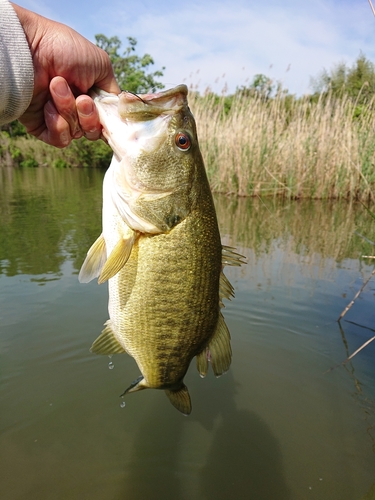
pixel 224 44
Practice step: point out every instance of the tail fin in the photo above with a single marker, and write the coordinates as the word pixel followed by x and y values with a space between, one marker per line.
pixel 137 385
pixel 180 399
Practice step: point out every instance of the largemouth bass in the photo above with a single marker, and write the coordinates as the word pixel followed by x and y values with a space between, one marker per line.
pixel 160 248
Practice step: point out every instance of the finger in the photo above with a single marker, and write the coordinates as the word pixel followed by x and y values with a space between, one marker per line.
pixel 65 104
pixel 88 117
pixel 57 131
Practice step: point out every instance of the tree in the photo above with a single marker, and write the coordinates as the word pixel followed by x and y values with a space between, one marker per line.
pixel 261 86
pixel 358 81
pixel 131 70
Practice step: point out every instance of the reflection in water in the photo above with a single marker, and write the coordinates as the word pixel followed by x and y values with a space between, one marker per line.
pixel 57 214
pixel 46 217
pixel 275 426
pixel 367 404
pixel 244 458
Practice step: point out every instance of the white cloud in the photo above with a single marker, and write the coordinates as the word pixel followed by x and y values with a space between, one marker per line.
pixel 199 42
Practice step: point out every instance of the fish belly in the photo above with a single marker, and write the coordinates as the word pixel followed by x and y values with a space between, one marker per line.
pixel 164 303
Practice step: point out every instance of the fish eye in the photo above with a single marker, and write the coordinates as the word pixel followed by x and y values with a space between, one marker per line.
pixel 182 141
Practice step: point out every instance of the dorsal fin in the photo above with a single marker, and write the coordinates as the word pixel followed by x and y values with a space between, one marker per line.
pixel 202 362
pixel 226 290
pixel 220 351
pixel 231 258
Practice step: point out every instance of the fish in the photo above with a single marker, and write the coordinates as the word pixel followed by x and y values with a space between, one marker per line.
pixel 160 249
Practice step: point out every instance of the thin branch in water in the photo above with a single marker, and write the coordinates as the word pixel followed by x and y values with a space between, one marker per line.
pixel 360 326
pixel 372 7
pixel 356 296
pixel 355 352
pixel 358 350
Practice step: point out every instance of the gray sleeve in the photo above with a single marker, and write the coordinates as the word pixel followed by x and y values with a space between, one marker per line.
pixel 16 66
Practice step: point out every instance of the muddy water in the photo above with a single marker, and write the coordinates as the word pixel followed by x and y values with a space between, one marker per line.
pixel 281 424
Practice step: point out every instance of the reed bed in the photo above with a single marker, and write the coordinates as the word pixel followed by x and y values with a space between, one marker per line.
pixel 288 147
pixel 294 148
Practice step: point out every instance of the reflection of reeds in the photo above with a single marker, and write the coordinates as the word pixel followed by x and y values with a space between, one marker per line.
pixel 294 148
pixel 306 227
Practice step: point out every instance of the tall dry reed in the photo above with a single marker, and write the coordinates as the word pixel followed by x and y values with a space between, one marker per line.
pixel 294 148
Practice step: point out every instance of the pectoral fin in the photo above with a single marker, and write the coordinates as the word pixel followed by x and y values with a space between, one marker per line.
pixel 94 262
pixel 180 399
pixel 118 258
pixel 107 343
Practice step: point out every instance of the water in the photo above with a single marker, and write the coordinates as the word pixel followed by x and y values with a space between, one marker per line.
pixel 279 425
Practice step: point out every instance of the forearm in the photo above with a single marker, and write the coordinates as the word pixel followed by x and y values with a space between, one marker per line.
pixel 16 66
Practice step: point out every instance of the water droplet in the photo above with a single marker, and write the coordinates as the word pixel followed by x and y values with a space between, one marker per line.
pixel 122 404
pixel 111 365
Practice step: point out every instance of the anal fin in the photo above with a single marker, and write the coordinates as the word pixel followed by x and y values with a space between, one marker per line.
pixel 107 343
pixel 94 262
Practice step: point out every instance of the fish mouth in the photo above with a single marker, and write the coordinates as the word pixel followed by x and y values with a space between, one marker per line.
pixel 144 107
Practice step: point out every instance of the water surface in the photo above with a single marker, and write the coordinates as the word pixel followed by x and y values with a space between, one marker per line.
pixel 281 424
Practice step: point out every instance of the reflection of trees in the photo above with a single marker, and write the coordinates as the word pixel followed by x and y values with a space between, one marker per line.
pixel 47 216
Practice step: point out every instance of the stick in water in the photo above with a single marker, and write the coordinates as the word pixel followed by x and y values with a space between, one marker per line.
pixel 360 349
pixel 356 296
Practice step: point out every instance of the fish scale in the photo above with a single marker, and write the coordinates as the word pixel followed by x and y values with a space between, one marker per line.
pixel 160 248
pixel 166 302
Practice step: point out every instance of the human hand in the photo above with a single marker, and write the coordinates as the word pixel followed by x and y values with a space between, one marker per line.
pixel 66 66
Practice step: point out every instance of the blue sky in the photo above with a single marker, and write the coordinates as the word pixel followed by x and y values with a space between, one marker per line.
pixel 224 44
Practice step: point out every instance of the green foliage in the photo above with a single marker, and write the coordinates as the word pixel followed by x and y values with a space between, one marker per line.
pixel 357 82
pixel 29 163
pixel 59 163
pixel 261 86
pixel 131 71
pixel 15 153
pixel 84 153
pixel 14 129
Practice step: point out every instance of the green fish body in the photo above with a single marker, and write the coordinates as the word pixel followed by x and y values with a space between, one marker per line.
pixel 160 248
